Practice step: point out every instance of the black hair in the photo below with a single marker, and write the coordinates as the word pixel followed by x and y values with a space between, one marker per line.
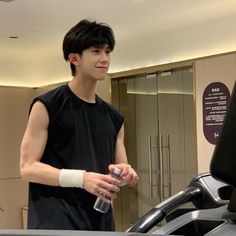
pixel 86 34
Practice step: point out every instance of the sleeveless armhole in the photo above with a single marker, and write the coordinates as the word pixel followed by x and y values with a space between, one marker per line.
pixel 116 116
pixel 50 101
pixel 43 102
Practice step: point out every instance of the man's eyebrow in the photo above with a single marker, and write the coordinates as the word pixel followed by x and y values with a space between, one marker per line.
pixel 101 46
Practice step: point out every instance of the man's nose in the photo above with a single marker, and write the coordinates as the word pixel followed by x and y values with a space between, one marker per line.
pixel 104 57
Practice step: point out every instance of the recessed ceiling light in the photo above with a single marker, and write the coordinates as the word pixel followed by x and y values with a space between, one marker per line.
pixel 13 37
pixel 6 0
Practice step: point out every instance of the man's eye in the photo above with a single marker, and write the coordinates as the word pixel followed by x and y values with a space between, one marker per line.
pixel 95 51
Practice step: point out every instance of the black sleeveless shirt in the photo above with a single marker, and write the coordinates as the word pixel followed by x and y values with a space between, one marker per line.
pixel 81 135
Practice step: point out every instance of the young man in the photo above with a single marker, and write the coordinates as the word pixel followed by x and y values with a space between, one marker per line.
pixel 73 139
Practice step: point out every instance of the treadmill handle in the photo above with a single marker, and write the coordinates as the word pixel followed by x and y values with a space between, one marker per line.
pixel 159 212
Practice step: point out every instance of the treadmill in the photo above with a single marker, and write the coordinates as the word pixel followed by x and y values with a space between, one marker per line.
pixel 213 194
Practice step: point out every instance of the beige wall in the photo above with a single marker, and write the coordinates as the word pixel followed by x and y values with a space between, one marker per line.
pixel 214 69
pixel 14 105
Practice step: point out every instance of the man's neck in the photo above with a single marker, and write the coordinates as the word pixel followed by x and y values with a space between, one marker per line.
pixel 84 89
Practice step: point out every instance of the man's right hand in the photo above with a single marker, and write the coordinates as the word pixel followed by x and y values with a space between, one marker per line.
pixel 101 185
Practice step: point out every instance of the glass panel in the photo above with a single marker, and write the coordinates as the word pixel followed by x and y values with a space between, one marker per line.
pixel 147 152
pixel 187 76
pixel 142 85
pixel 177 129
pixel 173 82
pixel 159 133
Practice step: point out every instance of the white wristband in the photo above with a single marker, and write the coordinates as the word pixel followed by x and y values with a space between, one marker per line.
pixel 71 178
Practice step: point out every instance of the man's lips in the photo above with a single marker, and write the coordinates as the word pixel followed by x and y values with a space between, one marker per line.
pixel 102 67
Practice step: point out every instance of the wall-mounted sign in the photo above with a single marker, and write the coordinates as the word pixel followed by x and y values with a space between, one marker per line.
pixel 215 102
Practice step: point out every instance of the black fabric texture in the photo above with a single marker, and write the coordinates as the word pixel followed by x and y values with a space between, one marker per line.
pixel 81 135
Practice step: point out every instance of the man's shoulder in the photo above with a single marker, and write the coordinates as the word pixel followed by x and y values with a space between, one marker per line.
pixel 52 99
pixel 54 94
pixel 106 104
pixel 112 110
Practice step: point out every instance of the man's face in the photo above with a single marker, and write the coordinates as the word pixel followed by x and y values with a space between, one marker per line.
pixel 94 62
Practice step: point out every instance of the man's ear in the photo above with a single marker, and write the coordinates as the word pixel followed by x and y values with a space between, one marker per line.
pixel 74 59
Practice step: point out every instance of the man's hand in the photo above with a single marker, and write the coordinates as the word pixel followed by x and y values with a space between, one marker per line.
pixel 101 185
pixel 128 174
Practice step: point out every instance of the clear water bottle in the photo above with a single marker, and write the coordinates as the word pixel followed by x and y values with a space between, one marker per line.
pixel 100 205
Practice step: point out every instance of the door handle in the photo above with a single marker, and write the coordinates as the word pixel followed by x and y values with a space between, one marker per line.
pixel 166 167
pixel 161 167
pixel 169 164
pixel 150 165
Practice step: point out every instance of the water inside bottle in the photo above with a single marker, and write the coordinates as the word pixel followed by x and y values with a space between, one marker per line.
pixel 101 206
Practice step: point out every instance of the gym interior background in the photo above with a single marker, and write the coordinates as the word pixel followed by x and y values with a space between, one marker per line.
pixel 200 68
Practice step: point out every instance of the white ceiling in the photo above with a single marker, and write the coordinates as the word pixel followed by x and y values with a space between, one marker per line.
pixel 148 32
